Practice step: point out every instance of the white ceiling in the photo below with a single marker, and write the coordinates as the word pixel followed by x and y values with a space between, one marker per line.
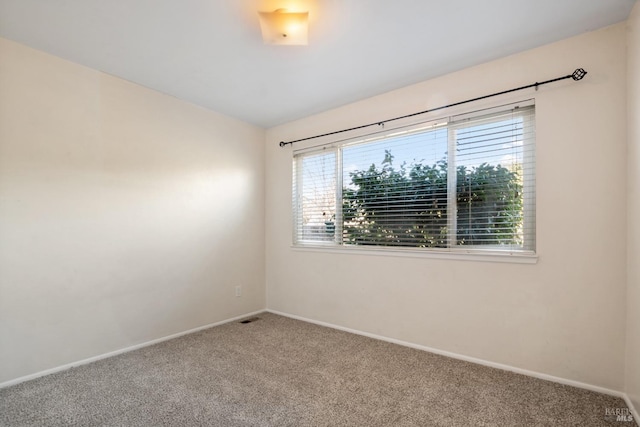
pixel 210 52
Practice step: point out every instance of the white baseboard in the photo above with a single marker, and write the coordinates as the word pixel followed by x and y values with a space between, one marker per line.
pixel 123 350
pixel 526 372
pixel 633 409
pixel 529 373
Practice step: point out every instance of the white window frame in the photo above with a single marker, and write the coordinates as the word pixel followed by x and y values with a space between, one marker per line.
pixel 468 252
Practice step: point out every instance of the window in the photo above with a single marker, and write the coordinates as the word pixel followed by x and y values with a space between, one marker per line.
pixel 465 184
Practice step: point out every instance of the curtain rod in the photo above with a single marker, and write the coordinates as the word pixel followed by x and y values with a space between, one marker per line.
pixel 578 74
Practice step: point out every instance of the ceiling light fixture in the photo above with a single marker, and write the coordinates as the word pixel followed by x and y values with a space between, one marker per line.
pixel 284 28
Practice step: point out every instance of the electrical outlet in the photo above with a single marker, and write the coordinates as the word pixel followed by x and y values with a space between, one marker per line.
pixel 238 291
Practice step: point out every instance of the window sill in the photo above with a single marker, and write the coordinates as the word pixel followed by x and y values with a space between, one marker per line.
pixel 459 255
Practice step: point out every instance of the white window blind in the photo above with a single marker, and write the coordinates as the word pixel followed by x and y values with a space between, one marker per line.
pixel 462 184
pixel 315 196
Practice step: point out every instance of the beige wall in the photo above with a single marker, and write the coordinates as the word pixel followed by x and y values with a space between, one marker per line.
pixel 125 215
pixel 565 315
pixel 633 192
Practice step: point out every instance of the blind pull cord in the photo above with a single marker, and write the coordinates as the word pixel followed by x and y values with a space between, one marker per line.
pixel 578 74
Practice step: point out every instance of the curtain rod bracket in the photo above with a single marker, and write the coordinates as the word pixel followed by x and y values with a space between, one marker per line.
pixel 578 74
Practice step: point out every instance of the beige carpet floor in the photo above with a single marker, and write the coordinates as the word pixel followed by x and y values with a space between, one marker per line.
pixel 282 372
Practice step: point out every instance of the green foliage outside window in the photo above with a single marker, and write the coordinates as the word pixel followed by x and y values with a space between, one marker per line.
pixel 407 205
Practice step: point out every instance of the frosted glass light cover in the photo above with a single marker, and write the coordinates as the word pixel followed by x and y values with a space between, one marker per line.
pixel 284 28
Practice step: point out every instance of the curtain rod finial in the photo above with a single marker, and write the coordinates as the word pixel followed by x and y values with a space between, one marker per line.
pixel 282 143
pixel 578 74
